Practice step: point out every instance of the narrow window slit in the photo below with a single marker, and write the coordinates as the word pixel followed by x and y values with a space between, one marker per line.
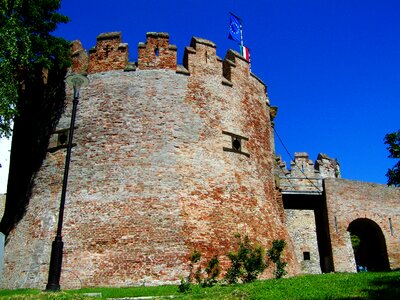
pixel 391 227
pixel 306 255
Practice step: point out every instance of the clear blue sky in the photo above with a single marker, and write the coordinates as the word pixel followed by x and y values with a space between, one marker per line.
pixel 331 66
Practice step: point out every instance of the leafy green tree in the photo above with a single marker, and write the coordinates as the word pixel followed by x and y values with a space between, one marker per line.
pixel 26 44
pixel 33 65
pixel 393 142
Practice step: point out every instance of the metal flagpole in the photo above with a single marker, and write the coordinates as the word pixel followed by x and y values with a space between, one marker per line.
pixel 241 38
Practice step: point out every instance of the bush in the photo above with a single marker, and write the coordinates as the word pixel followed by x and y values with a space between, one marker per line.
pixel 208 277
pixel 247 262
pixel 195 257
pixel 184 286
pixel 274 254
pixel 212 270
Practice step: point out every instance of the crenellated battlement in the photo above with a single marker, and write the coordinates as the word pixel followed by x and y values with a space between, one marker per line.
pixel 304 175
pixel 110 53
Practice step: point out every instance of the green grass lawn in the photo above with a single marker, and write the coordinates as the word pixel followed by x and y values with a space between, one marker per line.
pixel 385 285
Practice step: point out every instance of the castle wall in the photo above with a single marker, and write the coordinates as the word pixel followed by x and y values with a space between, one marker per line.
pixel 302 228
pixel 351 200
pixel 156 171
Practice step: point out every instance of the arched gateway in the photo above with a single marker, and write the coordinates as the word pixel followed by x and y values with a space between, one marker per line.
pixel 369 245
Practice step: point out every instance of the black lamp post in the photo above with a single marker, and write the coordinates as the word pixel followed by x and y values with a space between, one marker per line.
pixel 53 283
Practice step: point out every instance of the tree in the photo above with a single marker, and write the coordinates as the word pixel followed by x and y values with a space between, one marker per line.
pixel 393 142
pixel 33 64
pixel 26 45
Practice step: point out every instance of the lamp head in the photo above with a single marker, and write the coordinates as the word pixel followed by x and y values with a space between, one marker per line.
pixel 76 81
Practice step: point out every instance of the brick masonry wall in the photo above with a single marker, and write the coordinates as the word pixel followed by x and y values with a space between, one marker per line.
pixel 79 57
pixel 108 54
pixel 351 200
pixel 156 53
pixel 149 178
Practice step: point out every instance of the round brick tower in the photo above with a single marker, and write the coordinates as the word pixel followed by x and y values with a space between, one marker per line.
pixel 168 159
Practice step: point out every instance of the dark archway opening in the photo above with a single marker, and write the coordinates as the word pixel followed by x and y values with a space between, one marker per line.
pixel 317 203
pixel 369 245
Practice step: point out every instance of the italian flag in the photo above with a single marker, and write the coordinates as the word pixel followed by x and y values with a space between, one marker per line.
pixel 245 52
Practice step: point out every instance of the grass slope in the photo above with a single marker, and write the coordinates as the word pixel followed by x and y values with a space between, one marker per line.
pixel 385 285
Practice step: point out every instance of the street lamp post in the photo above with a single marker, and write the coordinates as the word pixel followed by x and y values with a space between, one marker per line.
pixel 53 283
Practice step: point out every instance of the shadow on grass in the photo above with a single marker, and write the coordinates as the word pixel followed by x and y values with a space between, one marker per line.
pixel 384 288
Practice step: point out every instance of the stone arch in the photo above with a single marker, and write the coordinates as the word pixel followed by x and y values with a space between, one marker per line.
pixel 370 251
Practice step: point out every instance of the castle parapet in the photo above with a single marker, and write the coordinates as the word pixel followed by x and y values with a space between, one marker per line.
pixel 304 175
pixel 157 53
pixel 200 59
pixel 108 54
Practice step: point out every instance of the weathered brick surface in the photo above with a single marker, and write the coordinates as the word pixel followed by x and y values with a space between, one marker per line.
pixel 109 53
pixel 157 53
pixel 149 179
pixel 351 200
pixel 79 57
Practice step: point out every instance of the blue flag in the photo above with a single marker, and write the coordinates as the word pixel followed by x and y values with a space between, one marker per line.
pixel 234 28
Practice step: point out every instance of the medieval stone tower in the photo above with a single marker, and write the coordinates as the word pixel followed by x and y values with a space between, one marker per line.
pixel 167 159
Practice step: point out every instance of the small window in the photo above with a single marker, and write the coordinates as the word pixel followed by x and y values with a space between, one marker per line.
pixel 59 140
pixel 306 255
pixel 236 143
pixel 62 138
pixel 156 51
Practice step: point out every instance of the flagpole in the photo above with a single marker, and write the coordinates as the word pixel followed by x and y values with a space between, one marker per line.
pixel 241 38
